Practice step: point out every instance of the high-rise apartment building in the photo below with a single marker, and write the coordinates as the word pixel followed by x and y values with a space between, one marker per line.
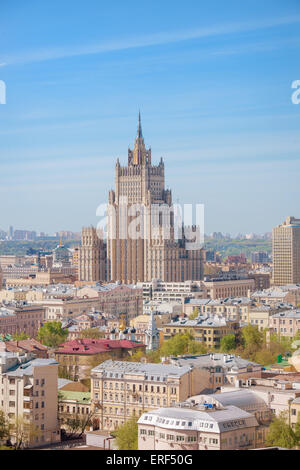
pixel 91 256
pixel 286 252
pixel 153 250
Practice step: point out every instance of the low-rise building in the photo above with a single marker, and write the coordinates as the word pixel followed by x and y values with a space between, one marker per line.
pixel 198 427
pixel 211 371
pixel 221 289
pixel 20 317
pixel 74 405
pixel 76 358
pixel 295 412
pixel 278 391
pixel 205 328
pixel 285 323
pixel 121 390
pixel 24 346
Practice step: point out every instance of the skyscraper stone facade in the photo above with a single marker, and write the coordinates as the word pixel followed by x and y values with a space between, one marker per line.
pixel 91 256
pixel 144 238
pixel 158 252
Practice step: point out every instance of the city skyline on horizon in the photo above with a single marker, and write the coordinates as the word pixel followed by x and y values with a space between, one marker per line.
pixel 214 90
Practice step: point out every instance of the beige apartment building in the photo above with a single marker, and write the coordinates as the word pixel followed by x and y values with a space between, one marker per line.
pixel 23 318
pixel 294 412
pixel 160 291
pixel 59 309
pixel 233 309
pixel 28 393
pixel 259 316
pixel 121 390
pixel 286 252
pixel 285 323
pixel 40 278
pixel 115 299
pixel 206 329
pixel 211 371
pixel 221 289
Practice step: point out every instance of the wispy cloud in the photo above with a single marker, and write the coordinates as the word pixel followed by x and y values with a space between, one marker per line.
pixel 148 40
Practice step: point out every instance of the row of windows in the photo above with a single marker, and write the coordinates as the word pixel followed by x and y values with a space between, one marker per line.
pixel 169 437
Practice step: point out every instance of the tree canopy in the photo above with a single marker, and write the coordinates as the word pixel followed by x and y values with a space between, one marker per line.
pixel 281 434
pixel 227 343
pixel 127 435
pixel 51 334
pixel 20 336
pixel 182 343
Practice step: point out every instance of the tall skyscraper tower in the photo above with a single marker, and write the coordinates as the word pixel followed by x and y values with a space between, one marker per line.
pixel 286 252
pixel 152 255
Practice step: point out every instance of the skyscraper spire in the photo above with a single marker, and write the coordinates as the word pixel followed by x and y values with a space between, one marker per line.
pixel 139 155
pixel 139 129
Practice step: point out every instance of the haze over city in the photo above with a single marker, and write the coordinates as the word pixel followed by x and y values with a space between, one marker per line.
pixel 214 89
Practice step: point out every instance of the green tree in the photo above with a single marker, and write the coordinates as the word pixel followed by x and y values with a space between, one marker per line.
pixel 51 334
pixel 4 426
pixel 182 343
pixel 127 435
pixel 252 336
pixel 194 314
pixel 227 343
pixel 280 433
pixel 20 336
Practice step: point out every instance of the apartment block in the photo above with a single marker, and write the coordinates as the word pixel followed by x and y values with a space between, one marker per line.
pixel 121 390
pixel 205 328
pixel 28 392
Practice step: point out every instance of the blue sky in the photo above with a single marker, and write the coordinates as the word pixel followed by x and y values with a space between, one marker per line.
pixel 212 80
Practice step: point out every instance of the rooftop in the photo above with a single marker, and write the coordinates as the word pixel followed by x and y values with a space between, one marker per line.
pixel 213 360
pixel 95 346
pixel 78 397
pixel 117 369
pixel 213 420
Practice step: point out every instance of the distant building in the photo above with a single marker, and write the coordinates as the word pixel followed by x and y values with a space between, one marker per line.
pixel 260 257
pixel 91 256
pixel 286 252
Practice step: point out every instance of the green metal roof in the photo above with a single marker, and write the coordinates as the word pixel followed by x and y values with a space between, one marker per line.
pixel 77 397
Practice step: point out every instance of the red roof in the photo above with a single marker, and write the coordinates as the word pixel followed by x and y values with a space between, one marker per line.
pixel 24 344
pixel 96 346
